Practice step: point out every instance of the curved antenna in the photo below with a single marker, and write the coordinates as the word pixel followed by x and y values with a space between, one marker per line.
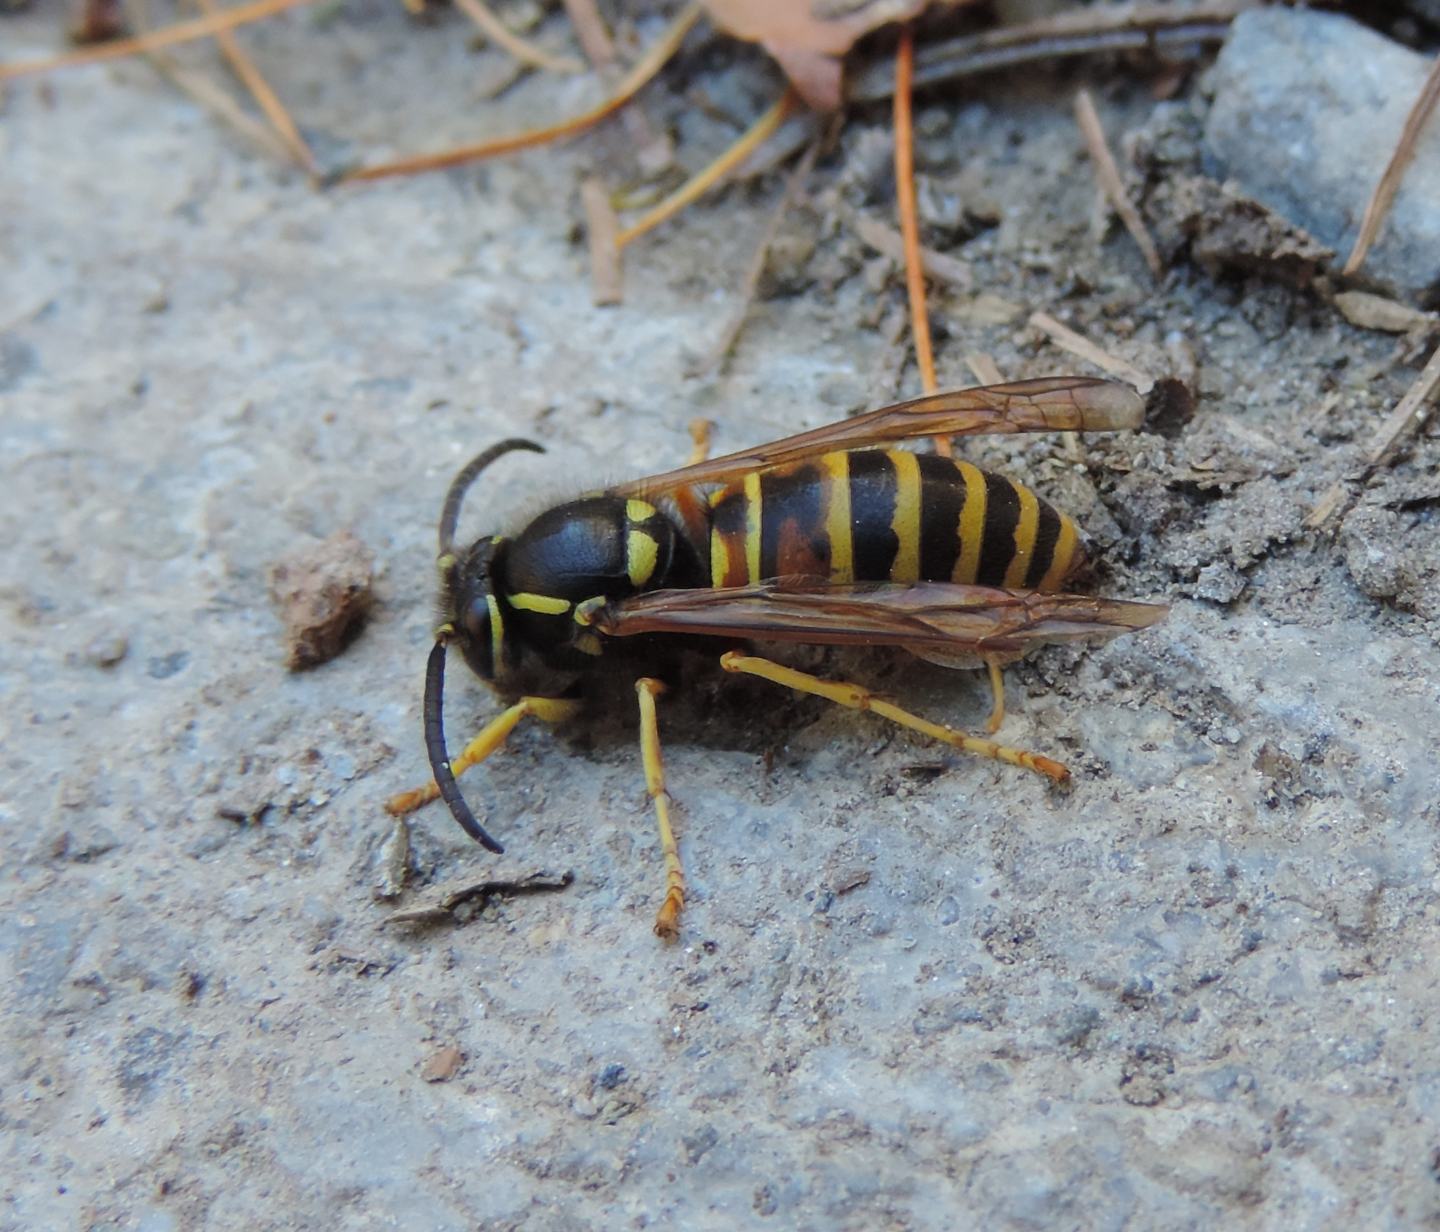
pixel 450 513
pixel 439 758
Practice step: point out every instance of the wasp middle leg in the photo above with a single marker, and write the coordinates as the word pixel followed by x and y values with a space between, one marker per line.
pixel 667 919
pixel 856 697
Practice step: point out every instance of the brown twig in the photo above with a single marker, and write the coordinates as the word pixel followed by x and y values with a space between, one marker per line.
pixel 908 210
pixel 888 243
pixel 984 368
pixel 645 68
pixel 601 228
pixel 1090 30
pixel 521 49
pixel 1410 412
pixel 169 36
pixel 1108 175
pixel 750 284
pixel 590 29
pixel 1077 344
pixel 265 98
pixel 1409 415
pixel 1389 184
pixel 699 183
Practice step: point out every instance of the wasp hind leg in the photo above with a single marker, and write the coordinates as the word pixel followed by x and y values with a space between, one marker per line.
pixel 667 919
pixel 856 697
pixel 491 737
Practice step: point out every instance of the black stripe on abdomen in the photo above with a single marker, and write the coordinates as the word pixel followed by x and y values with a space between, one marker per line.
pixel 942 498
pixel 1047 532
pixel 997 544
pixel 872 510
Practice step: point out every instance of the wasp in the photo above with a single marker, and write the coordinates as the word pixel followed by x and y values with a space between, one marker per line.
pixel 830 537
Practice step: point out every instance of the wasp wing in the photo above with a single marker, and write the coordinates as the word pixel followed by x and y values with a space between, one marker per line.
pixel 1048 404
pixel 927 618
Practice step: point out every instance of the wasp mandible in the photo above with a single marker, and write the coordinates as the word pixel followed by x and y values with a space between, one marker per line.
pixel 827 537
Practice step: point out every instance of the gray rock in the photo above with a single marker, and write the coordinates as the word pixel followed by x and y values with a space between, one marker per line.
pixel 1308 108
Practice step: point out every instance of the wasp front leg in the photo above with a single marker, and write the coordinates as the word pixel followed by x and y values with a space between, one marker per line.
pixel 491 737
pixel 667 919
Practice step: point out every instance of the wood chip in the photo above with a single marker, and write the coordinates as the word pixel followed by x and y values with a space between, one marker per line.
pixel 1077 344
pixel 1376 312
pixel 888 243
pixel 986 370
pixel 602 229
pixel 1108 176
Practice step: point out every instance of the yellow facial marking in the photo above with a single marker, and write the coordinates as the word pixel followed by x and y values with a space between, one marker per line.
pixel 639 511
pixel 641 552
pixel 906 522
pixel 497 632
pixel 752 527
pixel 1024 536
pixel 972 525
pixel 546 605
pixel 837 516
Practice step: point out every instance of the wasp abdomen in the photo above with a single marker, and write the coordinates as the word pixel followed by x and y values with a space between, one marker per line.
pixel 889 516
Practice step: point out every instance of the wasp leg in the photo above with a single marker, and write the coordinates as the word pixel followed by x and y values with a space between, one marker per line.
pixel 491 737
pixel 700 430
pixel 857 698
pixel 667 919
pixel 997 693
pixel 687 503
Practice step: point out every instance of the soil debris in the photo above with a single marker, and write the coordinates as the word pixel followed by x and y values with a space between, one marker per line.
pixel 323 594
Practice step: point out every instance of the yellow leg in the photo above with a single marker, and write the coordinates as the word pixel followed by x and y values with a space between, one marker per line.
pixel 700 430
pixel 997 693
pixel 857 698
pixel 546 709
pixel 692 512
pixel 667 919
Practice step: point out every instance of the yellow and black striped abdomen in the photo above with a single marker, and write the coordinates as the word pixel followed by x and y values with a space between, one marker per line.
pixel 877 515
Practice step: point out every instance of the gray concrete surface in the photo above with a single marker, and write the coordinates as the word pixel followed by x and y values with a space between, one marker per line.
pixel 913 991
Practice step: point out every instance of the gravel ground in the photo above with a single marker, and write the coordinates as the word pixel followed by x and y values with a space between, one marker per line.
pixel 913 990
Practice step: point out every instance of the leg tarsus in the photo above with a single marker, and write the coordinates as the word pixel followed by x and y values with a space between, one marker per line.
pixel 855 697
pixel 667 919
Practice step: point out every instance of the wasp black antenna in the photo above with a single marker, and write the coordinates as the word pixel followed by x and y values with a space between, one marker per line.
pixel 435 748
pixel 450 513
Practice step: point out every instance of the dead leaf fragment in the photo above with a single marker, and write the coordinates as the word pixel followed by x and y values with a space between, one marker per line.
pixel 809 39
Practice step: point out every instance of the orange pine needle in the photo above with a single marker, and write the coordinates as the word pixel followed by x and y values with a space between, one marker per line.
pixel 180 32
pixel 696 185
pixel 645 68
pixel 910 219
pixel 521 49
pixel 265 98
